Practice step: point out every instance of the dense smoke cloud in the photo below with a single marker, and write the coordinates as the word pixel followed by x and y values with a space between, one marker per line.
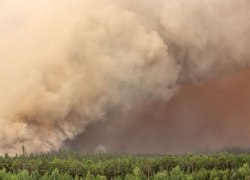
pixel 65 64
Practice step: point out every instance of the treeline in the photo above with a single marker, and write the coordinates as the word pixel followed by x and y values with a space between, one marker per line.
pixel 66 165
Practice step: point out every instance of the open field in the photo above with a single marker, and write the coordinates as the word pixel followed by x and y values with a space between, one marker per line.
pixel 66 165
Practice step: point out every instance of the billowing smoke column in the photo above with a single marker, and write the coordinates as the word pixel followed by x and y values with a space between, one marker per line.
pixel 65 64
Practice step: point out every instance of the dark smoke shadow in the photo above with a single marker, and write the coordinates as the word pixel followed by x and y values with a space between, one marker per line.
pixel 209 117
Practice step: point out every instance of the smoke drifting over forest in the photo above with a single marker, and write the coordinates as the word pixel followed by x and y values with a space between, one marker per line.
pixel 132 76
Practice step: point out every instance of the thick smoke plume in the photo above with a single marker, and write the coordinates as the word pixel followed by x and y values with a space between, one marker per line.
pixel 66 64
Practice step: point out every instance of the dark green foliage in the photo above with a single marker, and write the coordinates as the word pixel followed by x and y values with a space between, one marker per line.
pixel 75 166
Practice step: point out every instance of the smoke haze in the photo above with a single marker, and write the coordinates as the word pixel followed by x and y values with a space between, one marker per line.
pixel 105 69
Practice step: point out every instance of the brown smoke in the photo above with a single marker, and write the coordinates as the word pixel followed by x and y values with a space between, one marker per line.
pixel 65 64
pixel 210 116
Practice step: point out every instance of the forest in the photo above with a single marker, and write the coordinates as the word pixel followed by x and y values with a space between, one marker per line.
pixel 103 166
